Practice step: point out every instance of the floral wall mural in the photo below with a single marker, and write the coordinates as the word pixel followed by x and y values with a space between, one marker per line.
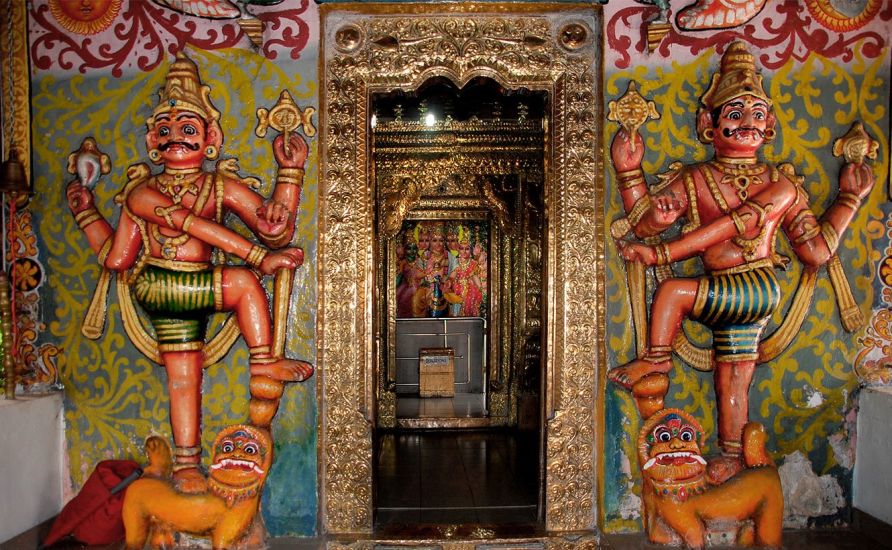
pixel 99 78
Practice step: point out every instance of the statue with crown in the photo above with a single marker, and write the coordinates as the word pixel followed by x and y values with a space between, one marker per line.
pixel 729 210
pixel 172 252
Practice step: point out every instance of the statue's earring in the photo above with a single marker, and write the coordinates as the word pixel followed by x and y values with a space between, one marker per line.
pixel 770 134
pixel 211 152
pixel 707 135
pixel 155 155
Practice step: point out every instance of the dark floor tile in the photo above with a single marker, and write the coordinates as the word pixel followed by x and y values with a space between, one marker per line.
pixel 513 515
pixel 440 493
pixel 391 518
pixel 448 516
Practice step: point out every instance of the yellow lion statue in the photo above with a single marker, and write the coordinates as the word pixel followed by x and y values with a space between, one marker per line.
pixel 679 504
pixel 240 463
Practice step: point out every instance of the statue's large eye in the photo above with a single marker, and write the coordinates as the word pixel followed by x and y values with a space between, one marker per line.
pixel 164 131
pixel 227 447
pixel 662 434
pixel 189 130
pixel 250 448
pixel 734 115
pixel 759 115
pixel 687 434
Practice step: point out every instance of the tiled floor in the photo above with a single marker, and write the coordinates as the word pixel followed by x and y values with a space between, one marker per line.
pixel 487 477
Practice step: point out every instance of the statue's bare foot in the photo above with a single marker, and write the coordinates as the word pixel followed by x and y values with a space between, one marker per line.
pixel 284 370
pixel 721 468
pixel 630 373
pixel 190 480
pixel 160 457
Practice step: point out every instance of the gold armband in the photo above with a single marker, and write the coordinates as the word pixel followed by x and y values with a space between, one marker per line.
pixel 256 255
pixel 663 256
pixel 86 217
pixel 639 210
pixel 830 236
pixel 187 221
pixel 103 252
pixel 850 200
pixel 290 176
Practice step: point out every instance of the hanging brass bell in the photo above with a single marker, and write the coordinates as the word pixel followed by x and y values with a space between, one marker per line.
pixel 12 178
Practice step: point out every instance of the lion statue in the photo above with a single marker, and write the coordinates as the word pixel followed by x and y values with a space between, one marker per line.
pixel 680 505
pixel 240 462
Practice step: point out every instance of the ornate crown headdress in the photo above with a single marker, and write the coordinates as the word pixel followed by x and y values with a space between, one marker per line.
pixel 737 76
pixel 183 91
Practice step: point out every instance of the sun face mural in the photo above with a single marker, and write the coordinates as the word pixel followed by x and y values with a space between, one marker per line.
pixel 85 16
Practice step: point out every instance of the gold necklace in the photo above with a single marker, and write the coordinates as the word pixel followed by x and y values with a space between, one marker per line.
pixel 177 186
pixel 739 175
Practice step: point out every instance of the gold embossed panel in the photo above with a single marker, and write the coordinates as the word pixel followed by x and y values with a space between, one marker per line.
pixel 377 48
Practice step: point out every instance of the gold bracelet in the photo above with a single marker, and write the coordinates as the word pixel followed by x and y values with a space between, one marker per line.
pixel 285 180
pixel 663 256
pixel 830 236
pixel 84 222
pixel 850 200
pixel 291 173
pixel 187 222
pixel 629 174
pixel 256 255
pixel 86 217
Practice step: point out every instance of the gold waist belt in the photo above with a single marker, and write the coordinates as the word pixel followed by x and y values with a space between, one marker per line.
pixel 176 265
pixel 743 268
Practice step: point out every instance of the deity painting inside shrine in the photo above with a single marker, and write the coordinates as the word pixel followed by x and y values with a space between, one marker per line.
pixel 442 269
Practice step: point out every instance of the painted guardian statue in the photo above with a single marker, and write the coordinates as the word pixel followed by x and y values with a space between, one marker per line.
pixel 733 207
pixel 166 250
pixel 680 505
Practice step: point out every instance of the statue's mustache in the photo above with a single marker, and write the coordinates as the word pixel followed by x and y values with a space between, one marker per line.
pixel 169 144
pixel 728 133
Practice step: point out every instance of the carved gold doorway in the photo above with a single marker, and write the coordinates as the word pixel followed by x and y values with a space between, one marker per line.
pixel 552 49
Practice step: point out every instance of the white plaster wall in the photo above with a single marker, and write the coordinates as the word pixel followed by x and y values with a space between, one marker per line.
pixel 30 462
pixel 873 454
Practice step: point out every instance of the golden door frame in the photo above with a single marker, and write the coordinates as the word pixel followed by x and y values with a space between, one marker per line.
pixel 366 48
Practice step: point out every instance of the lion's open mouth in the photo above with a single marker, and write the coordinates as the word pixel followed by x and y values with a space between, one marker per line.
pixel 674 459
pixel 236 464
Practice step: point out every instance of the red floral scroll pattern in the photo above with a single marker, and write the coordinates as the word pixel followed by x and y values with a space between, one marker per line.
pixel 144 33
pixel 787 33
